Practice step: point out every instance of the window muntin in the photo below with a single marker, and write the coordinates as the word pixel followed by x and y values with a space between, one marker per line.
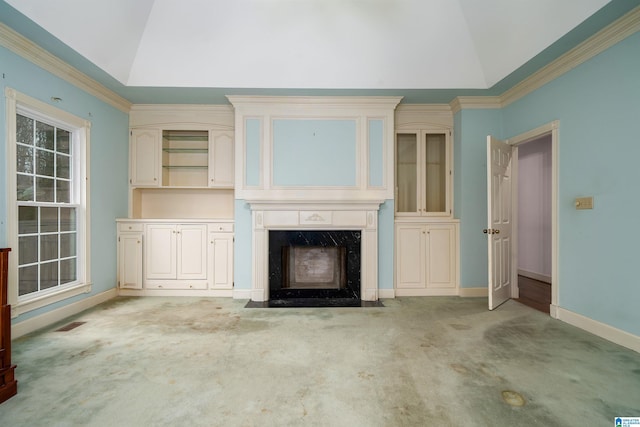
pixel 47 206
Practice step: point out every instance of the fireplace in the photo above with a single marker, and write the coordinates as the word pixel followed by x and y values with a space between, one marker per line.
pixel 319 264
pixel 280 223
pixel 314 267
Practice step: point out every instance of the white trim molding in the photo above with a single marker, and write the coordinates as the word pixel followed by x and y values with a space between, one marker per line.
pixel 44 320
pixel 610 35
pixel 33 53
pixel 475 102
pixel 600 329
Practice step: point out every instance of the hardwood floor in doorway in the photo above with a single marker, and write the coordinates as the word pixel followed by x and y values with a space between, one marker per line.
pixel 534 293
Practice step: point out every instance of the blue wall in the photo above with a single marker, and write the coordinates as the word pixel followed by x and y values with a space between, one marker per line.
pixel 471 128
pixel 314 152
pixel 109 163
pixel 598 106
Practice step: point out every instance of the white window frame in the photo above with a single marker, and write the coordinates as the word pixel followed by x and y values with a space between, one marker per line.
pixel 18 103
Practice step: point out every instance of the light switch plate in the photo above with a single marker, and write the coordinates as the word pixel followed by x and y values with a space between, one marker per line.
pixel 584 202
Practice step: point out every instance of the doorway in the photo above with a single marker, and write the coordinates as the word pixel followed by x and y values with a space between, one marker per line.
pixel 536 217
pixel 533 195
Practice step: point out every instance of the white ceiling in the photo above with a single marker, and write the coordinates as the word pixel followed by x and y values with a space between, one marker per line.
pixel 324 44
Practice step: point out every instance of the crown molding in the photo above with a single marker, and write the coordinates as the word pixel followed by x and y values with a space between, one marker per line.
pixel 475 102
pixel 213 108
pixel 599 42
pixel 604 39
pixel 424 108
pixel 316 101
pixel 32 52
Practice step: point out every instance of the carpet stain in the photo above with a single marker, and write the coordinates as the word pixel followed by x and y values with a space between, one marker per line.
pixel 513 398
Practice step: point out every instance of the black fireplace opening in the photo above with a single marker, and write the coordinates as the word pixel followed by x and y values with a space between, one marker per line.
pixel 314 268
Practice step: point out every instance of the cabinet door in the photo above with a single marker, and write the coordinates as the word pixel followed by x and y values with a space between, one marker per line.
pixel 410 257
pixel 423 173
pixel 160 252
pixel 130 261
pixel 145 157
pixel 441 256
pixel 407 196
pixel 192 251
pixel 221 259
pixel 221 159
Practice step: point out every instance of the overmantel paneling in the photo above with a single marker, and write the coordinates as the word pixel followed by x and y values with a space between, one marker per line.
pixel 255 148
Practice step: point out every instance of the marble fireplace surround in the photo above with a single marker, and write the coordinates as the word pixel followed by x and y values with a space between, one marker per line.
pixel 315 216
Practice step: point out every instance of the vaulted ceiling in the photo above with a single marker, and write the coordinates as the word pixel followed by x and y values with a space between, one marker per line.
pixel 315 44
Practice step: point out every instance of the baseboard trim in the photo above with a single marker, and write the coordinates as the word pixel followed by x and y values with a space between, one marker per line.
pixel 421 292
pixel 38 322
pixel 242 294
pixel 600 329
pixel 213 293
pixel 386 293
pixel 534 276
pixel 482 292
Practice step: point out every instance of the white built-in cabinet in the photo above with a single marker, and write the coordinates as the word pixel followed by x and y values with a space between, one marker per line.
pixel 176 256
pixel 426 234
pixel 130 237
pixel 426 257
pixel 181 158
pixel 189 256
pixel 178 237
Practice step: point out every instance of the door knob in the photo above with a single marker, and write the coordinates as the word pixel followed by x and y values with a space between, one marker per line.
pixel 485 231
pixel 495 232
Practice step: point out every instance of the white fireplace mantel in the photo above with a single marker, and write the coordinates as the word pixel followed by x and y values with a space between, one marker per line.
pixel 313 215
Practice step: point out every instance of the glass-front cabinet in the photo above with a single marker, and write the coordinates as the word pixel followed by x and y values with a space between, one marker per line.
pixel 423 173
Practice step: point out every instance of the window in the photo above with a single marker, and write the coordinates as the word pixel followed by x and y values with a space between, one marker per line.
pixel 47 232
pixel 47 201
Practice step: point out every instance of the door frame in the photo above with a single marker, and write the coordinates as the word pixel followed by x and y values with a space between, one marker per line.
pixel 544 130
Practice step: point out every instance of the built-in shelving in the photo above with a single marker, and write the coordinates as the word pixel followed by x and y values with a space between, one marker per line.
pixel 185 158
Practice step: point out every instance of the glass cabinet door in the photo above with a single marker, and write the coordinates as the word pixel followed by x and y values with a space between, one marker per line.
pixel 422 173
pixel 435 173
pixel 407 173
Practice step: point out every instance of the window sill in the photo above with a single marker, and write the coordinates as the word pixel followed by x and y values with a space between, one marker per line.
pixel 22 307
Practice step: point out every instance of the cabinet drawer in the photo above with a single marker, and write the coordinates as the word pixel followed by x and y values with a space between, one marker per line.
pixel 176 284
pixel 130 226
pixel 221 227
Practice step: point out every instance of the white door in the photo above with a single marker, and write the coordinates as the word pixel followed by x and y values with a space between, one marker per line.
pixel 499 218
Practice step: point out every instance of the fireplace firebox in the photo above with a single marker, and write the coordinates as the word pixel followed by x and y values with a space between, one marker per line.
pixel 314 266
